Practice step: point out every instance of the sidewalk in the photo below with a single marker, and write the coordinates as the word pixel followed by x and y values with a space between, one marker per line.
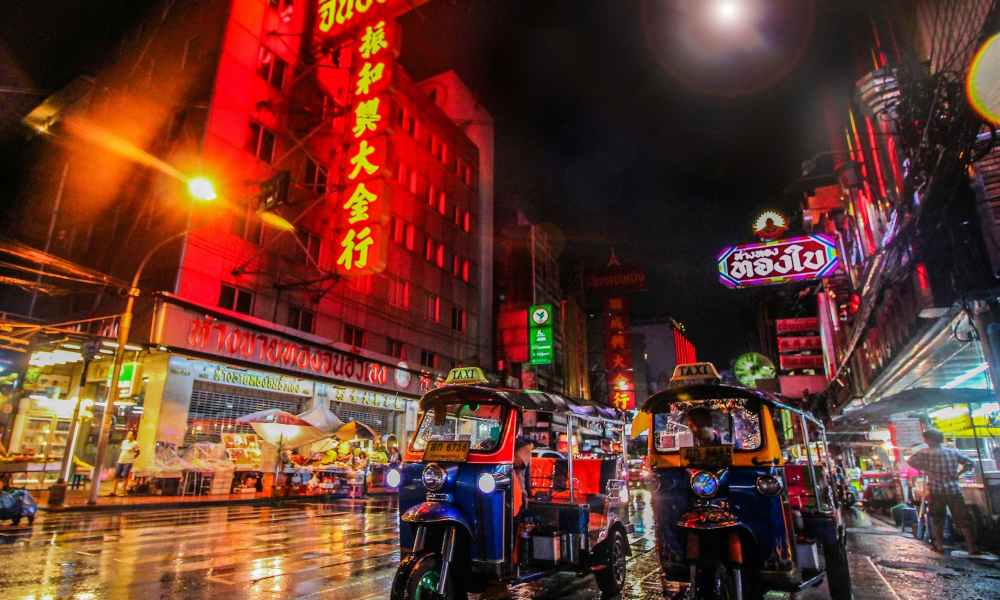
pixel 76 501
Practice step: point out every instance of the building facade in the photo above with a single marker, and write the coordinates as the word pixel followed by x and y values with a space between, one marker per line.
pixel 386 280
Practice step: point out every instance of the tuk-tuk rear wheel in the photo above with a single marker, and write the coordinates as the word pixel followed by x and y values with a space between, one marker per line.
pixel 611 579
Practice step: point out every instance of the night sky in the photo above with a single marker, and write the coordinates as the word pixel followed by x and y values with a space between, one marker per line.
pixel 603 122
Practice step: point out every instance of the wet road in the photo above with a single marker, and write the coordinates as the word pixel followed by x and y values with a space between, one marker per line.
pixel 347 550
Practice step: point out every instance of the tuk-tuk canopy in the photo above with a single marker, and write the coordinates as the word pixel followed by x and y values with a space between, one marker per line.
pixel 523 399
pixel 661 401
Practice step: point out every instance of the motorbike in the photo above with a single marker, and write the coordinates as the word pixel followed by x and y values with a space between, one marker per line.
pixel 16 505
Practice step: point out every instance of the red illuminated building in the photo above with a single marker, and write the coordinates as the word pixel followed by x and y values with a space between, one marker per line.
pixel 386 281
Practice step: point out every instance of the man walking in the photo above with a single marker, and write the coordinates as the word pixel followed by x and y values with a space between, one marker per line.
pixel 943 466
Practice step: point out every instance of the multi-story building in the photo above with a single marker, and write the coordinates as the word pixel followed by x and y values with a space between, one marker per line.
pixel 248 92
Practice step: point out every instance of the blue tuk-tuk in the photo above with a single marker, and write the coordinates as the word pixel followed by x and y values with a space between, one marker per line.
pixel 742 492
pixel 458 533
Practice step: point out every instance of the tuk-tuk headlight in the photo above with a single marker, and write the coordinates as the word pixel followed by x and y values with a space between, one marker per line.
pixel 433 477
pixel 768 485
pixel 704 484
pixel 486 483
pixel 393 478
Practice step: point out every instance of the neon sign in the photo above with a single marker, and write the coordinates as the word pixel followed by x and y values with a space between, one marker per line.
pixel 800 258
pixel 362 239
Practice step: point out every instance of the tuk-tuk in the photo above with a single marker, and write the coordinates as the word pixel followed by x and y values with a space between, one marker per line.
pixel 735 516
pixel 458 533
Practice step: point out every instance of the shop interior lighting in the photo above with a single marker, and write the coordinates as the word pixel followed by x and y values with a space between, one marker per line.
pixel 987 409
pixel 954 383
pixel 46 358
pixel 129 347
pixel 948 412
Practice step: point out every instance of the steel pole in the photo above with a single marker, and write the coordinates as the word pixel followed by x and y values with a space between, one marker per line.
pixel 123 331
pixel 74 424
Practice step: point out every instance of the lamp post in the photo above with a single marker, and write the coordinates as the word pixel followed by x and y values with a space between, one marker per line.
pixel 124 328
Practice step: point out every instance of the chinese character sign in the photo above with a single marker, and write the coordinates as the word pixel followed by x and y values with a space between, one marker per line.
pixel 618 355
pixel 362 237
pixel 780 261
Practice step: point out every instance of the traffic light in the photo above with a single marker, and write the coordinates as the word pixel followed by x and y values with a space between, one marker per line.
pixel 274 191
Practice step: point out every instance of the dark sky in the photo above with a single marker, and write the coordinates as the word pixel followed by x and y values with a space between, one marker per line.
pixel 611 146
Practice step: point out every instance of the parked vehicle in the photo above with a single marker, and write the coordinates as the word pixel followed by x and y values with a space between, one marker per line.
pixel 737 513
pixel 16 505
pixel 458 532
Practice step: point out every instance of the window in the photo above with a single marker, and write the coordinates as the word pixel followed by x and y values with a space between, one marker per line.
pixel 354 336
pixel 362 285
pixel 246 225
pixel 272 68
pixel 192 53
pixel 466 270
pixel 310 245
pixel 431 196
pixel 434 308
pixel 398 230
pixel 402 173
pixel 480 425
pixel 429 247
pixel 710 422
pixel 395 348
pixel 458 166
pixel 301 318
pixel 414 182
pixel 439 256
pixel 457 318
pixel 444 153
pixel 468 176
pixel 400 118
pixel 315 177
pixel 457 216
pixel 467 222
pixel 456 265
pixel 442 203
pixel 428 359
pixel 261 142
pixel 236 299
pixel 435 146
pixel 399 293
pixel 411 237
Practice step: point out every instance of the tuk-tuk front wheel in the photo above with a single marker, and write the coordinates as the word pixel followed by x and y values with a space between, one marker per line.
pixel 838 573
pixel 418 576
pixel 611 579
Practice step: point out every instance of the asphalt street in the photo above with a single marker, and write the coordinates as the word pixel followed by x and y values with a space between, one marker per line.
pixel 347 550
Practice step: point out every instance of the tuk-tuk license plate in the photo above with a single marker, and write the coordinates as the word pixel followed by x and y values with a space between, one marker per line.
pixel 446 451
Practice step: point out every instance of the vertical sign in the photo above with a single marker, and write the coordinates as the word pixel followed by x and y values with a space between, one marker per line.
pixel 362 213
pixel 540 347
pixel 618 356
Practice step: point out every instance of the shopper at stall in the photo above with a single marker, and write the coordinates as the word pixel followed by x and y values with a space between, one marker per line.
pixel 126 458
pixel 943 466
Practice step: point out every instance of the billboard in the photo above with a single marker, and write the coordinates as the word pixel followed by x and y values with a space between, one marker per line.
pixel 801 258
pixel 540 346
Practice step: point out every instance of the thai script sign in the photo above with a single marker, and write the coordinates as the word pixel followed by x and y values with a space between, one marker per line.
pixel 334 17
pixel 780 261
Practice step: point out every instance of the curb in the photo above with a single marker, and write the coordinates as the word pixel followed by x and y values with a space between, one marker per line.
pixel 277 501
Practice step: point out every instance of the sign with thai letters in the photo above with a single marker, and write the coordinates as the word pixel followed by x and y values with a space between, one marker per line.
pixel 801 258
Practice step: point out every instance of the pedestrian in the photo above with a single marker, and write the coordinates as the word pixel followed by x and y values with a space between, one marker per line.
pixel 943 466
pixel 126 457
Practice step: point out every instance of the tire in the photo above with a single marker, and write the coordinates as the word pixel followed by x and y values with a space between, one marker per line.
pixel 838 572
pixel 611 579
pixel 714 582
pixel 417 579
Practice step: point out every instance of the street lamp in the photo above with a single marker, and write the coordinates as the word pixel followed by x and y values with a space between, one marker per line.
pixel 727 12
pixel 201 189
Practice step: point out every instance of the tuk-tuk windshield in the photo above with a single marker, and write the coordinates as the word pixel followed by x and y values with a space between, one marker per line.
pixel 723 422
pixel 480 424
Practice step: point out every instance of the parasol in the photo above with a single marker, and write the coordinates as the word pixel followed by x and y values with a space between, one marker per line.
pixel 355 429
pixel 322 418
pixel 281 428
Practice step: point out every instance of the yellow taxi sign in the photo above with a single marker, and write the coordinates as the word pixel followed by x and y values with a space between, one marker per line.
pixel 466 376
pixel 691 373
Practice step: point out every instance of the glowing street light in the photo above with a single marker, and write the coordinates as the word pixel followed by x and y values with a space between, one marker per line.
pixel 201 188
pixel 727 12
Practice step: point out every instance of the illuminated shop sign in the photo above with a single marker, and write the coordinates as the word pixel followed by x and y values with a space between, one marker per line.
pixel 618 355
pixel 178 327
pixel 334 17
pixel 363 212
pixel 800 258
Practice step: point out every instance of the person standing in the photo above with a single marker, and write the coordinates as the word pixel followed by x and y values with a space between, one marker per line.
pixel 126 458
pixel 943 466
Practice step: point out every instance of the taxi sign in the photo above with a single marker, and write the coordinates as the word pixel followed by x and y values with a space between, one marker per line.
pixel 691 373
pixel 447 451
pixel 466 376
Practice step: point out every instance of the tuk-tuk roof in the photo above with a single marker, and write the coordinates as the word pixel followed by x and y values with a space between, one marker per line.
pixel 523 399
pixel 659 401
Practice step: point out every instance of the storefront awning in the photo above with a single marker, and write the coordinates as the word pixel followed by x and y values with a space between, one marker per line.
pixel 911 400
